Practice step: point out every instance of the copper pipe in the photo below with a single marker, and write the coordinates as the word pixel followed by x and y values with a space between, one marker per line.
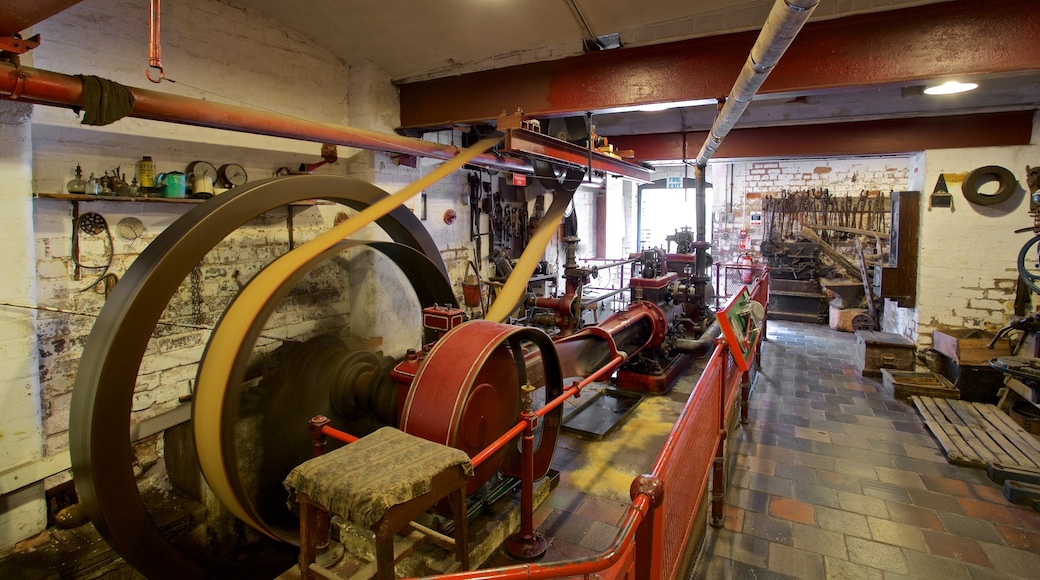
pixel 56 89
pixel 154 48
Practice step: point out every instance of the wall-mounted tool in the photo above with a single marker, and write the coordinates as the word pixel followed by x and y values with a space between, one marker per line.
pixel 95 225
pixel 941 196
pixel 130 229
pixel 1006 185
pixel 329 154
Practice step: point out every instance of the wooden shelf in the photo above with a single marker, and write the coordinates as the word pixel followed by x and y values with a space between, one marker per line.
pixel 85 197
pixel 120 198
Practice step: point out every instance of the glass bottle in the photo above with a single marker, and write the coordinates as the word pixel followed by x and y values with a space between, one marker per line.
pixel 92 186
pixel 77 185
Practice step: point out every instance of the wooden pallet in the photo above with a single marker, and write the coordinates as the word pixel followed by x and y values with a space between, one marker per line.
pixel 976 434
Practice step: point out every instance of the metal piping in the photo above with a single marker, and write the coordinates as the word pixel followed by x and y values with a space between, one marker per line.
pixel 55 89
pixel 784 22
pixel 702 344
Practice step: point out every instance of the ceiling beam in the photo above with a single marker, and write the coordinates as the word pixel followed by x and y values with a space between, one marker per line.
pixel 896 47
pixel 880 137
pixel 18 15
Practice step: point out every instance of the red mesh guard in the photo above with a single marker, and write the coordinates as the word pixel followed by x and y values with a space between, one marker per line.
pixel 685 473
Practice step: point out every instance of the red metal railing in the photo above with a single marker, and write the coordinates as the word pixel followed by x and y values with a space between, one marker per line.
pixel 655 532
pixel 724 274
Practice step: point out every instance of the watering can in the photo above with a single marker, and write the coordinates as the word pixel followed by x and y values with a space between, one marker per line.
pixel 171 184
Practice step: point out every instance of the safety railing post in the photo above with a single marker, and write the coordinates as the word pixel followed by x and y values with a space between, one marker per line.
pixel 718 475
pixel 651 531
pixel 527 544
pixel 745 393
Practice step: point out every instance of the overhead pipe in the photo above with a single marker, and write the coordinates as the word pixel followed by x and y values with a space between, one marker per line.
pixel 60 90
pixel 784 22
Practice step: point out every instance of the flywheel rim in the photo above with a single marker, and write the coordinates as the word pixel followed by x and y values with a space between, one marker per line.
pixel 99 445
pixel 227 484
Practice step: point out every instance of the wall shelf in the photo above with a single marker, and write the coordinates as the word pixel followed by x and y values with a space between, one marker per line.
pixel 86 197
pixel 120 198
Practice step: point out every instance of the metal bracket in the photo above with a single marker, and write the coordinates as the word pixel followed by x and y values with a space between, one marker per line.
pixel 17 45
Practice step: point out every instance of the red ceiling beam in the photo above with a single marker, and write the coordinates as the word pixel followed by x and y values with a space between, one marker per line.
pixel 17 15
pixel 885 48
pixel 856 138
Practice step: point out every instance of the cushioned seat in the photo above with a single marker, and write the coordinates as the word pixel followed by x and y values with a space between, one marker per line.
pixel 382 482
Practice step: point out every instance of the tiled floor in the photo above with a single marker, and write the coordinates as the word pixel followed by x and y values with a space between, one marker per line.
pixel 834 479
pixel 831 479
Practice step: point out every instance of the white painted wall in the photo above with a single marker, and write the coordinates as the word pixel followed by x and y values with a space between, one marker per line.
pixel 215 52
pixel 23 512
pixel 968 256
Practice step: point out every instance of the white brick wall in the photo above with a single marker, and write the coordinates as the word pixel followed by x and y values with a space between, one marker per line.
pixel 24 512
pixel 226 55
pixel 968 256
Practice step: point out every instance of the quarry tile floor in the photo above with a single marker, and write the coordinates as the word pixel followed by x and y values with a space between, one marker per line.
pixel 831 478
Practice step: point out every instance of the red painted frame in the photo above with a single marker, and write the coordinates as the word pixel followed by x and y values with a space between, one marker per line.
pixel 739 328
pixel 655 532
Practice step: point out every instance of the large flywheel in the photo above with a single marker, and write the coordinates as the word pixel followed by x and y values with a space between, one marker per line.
pixel 467 393
pixel 100 443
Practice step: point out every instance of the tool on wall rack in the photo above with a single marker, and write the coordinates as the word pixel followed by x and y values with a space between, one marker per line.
pixel 941 196
pixel 785 215
pixel 329 155
pixel 1006 185
pixel 479 193
pixel 94 224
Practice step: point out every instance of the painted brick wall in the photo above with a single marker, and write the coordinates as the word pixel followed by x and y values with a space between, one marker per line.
pixel 744 184
pixel 227 54
pixel 23 512
pixel 968 256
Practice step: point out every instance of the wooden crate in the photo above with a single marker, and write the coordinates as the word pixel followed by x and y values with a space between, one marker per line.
pixel 968 345
pixel 877 350
pixel 903 384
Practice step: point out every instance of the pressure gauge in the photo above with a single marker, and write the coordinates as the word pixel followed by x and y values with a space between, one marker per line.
pixel 231 174
pixel 201 169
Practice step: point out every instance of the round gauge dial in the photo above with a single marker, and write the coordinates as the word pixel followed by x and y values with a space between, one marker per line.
pixel 130 228
pixel 230 175
pixel 202 169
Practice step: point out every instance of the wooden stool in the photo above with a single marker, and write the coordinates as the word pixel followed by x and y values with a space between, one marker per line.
pixel 382 482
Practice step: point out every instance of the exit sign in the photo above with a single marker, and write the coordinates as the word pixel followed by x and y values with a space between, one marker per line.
pixel 519 180
pixel 674 183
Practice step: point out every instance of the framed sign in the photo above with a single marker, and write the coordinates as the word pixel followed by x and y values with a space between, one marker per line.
pixel 740 321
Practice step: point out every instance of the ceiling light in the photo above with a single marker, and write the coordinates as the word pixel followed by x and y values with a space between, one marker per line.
pixel 950 88
pixel 651 107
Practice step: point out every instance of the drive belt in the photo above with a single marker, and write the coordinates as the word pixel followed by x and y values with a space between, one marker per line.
pixel 217 368
pixel 515 286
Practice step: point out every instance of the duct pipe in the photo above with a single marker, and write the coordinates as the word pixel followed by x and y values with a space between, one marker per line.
pixel 700 209
pixel 784 22
pixel 701 345
pixel 55 89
